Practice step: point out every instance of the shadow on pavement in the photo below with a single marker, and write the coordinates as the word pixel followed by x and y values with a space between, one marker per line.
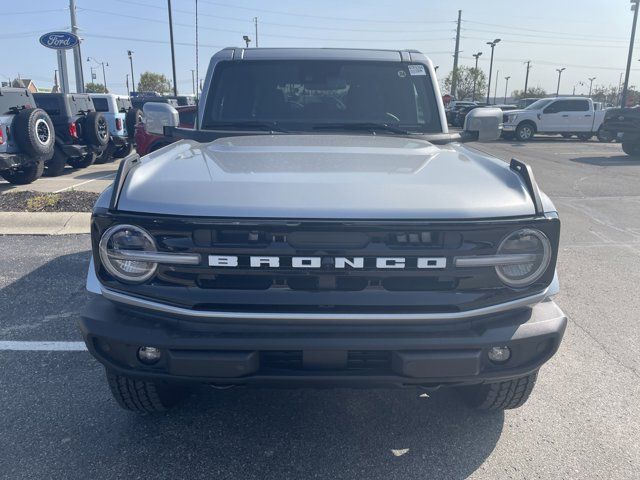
pixel 615 161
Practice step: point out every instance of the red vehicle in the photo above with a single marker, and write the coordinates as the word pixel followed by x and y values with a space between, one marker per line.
pixel 147 142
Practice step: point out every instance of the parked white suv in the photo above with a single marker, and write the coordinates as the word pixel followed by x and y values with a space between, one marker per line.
pixel 567 116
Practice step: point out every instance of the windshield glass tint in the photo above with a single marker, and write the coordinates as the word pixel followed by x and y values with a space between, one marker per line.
pixel 303 94
pixel 538 104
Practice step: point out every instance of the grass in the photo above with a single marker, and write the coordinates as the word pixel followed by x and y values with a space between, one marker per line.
pixel 42 202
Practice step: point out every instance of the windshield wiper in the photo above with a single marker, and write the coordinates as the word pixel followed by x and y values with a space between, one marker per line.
pixel 249 125
pixel 372 127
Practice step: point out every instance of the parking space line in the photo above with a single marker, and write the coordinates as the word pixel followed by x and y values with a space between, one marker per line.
pixel 23 346
pixel 85 182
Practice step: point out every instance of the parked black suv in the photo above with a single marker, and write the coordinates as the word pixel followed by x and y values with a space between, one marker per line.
pixel 625 123
pixel 26 137
pixel 81 132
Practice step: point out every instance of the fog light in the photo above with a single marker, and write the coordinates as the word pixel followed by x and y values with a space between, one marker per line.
pixel 149 355
pixel 499 354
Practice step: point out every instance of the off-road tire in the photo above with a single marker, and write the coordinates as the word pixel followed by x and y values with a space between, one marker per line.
pixel 34 133
pixel 83 162
pixel 631 148
pixel 26 174
pixel 133 116
pixel 55 166
pixel 123 151
pixel 605 136
pixel 142 396
pixel 95 129
pixel 525 132
pixel 499 396
pixel 107 155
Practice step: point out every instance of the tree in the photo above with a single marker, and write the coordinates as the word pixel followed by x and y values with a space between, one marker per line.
pixel 153 82
pixel 533 92
pixel 95 88
pixel 465 77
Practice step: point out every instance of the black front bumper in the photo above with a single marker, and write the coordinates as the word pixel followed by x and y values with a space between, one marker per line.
pixel 286 354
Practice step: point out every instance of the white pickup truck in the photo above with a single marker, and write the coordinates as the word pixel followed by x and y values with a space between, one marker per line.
pixel 567 116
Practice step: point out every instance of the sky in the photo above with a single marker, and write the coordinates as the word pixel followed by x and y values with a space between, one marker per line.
pixel 590 38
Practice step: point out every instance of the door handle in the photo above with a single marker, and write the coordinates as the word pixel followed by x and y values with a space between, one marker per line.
pixel 565 115
pixel 587 115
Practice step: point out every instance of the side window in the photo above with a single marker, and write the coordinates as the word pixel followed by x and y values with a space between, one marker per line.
pixel 101 104
pixel 187 117
pixel 556 107
pixel 578 105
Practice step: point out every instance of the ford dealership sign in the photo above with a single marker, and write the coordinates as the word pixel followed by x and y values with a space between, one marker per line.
pixel 59 40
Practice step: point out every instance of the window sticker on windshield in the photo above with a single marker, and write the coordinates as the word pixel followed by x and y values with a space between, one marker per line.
pixel 402 73
pixel 417 70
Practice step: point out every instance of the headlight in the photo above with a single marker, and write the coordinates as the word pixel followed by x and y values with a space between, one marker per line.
pixel 119 244
pixel 512 118
pixel 525 255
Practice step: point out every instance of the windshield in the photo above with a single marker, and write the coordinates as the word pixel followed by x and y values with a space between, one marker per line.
pixel 304 95
pixel 538 104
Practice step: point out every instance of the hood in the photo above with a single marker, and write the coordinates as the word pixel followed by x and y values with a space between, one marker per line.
pixel 517 112
pixel 324 177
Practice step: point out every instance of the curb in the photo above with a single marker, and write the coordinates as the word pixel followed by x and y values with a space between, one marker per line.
pixel 44 223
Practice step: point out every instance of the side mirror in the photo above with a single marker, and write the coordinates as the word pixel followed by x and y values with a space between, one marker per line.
pixel 159 115
pixel 483 124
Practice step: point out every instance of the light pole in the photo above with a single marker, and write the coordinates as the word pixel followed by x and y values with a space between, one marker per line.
pixel 193 80
pixel 126 81
pixel 493 45
pixel 104 75
pixel 495 88
pixel 475 75
pixel 526 79
pixel 506 86
pixel 247 40
pixel 635 5
pixel 591 85
pixel 133 80
pixel 559 70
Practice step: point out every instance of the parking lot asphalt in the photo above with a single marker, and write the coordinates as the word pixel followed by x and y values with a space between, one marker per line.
pixel 91 179
pixel 582 421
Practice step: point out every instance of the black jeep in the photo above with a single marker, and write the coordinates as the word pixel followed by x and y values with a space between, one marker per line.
pixel 81 133
pixel 624 123
pixel 26 137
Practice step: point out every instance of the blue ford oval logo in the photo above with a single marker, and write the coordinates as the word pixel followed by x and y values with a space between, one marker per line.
pixel 59 40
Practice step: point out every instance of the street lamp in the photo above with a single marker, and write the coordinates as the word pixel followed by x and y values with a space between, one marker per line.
pixel 247 40
pixel 559 70
pixel 574 87
pixel 635 5
pixel 133 80
pixel 591 84
pixel 475 75
pixel 104 75
pixel 492 45
pixel 506 86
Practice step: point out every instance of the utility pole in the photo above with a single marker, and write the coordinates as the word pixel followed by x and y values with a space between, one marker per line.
pixel 133 80
pixel 475 75
pixel 495 88
pixel 506 86
pixel 492 45
pixel 77 56
pixel 526 78
pixel 559 70
pixel 104 75
pixel 173 53
pixel 454 74
pixel 591 85
pixel 193 80
pixel 126 81
pixel 255 21
pixel 635 6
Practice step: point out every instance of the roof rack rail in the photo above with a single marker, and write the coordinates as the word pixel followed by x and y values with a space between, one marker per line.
pixel 526 173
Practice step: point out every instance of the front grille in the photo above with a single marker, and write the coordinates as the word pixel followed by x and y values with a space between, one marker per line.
pixel 357 361
pixel 327 288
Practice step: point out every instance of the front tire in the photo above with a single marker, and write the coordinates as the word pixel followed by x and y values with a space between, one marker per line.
pixel 631 148
pixel 525 132
pixel 501 395
pixel 141 396
pixel 605 136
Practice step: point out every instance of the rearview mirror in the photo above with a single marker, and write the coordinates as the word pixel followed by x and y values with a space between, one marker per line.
pixel 159 115
pixel 483 124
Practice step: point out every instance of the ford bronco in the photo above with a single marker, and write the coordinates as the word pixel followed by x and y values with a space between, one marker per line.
pixel 26 137
pixel 321 227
